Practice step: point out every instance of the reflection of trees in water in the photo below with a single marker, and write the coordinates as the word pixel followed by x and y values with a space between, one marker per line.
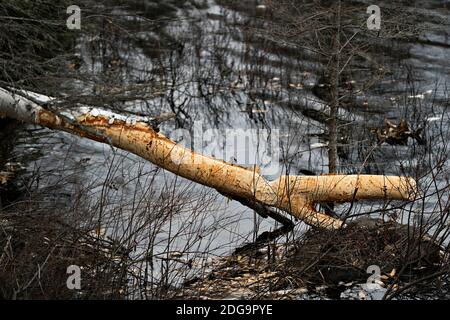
pixel 229 70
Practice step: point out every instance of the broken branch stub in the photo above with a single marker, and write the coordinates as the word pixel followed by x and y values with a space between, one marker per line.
pixel 296 195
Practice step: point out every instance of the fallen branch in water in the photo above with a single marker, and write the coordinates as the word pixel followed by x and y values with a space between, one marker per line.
pixel 296 195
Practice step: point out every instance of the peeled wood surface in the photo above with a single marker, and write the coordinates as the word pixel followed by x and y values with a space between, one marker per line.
pixel 293 194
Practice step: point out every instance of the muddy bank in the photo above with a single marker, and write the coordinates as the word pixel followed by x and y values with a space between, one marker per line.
pixel 329 265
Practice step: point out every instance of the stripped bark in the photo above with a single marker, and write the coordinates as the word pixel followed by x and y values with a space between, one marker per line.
pixel 296 195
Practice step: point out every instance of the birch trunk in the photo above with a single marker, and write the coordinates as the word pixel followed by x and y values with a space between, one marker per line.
pixel 294 194
pixel 333 157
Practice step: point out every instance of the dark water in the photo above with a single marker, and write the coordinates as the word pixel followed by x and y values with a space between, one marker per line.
pixel 227 77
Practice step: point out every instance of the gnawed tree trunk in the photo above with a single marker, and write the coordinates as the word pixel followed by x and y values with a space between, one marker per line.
pixel 296 195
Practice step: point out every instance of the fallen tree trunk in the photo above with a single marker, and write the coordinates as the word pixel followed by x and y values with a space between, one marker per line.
pixel 296 195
